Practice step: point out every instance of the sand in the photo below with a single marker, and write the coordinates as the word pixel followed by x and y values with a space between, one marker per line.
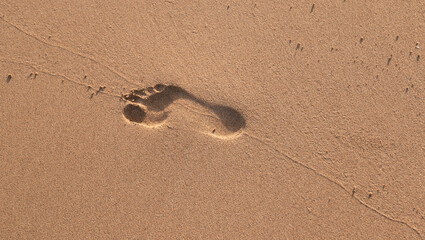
pixel 212 119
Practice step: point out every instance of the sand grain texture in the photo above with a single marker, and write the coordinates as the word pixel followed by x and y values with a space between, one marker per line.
pixel 212 120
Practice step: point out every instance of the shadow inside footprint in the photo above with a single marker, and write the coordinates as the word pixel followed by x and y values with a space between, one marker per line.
pixel 160 100
pixel 159 97
pixel 230 118
pixel 134 113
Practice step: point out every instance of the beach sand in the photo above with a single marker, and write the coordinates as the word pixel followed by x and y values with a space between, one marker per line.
pixel 212 119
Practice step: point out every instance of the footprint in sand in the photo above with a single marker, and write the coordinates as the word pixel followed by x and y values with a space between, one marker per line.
pixel 151 107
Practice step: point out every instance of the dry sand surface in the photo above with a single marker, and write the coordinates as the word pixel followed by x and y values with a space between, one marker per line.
pixel 212 119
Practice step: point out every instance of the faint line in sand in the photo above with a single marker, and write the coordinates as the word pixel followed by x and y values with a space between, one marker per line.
pixel 59 76
pixel 287 157
pixel 120 75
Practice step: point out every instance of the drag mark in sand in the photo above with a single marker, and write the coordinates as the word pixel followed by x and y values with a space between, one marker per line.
pixel 32 76
pixel 336 183
pixel 120 75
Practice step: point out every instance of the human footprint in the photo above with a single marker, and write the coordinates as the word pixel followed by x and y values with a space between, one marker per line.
pixel 151 106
